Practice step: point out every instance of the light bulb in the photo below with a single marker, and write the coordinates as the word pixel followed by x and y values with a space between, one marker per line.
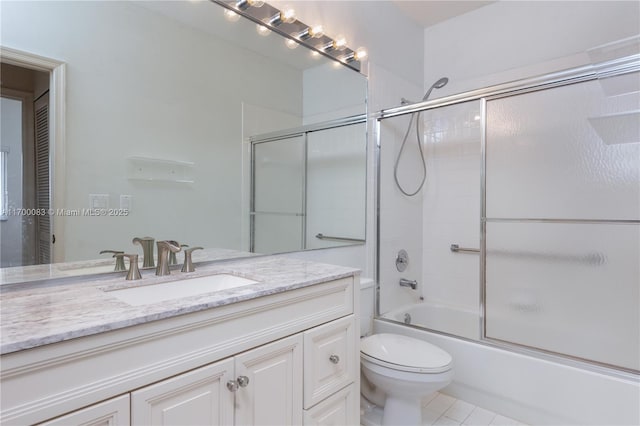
pixel 244 4
pixel 262 30
pixel 230 15
pixel 286 15
pixel 340 43
pixel 316 31
pixel 291 44
pixel 361 53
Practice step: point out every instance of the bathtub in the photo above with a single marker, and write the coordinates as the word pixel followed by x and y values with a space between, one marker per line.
pixel 532 390
pixel 447 319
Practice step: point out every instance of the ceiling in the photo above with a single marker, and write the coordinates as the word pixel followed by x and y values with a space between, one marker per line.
pixel 430 12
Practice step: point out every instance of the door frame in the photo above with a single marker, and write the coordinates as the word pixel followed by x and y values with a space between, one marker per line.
pixel 57 136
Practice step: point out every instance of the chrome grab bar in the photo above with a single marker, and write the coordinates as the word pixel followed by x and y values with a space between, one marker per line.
pixel 589 258
pixel 326 237
pixel 457 249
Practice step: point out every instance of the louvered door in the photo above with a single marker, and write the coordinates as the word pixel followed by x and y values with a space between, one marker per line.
pixel 42 178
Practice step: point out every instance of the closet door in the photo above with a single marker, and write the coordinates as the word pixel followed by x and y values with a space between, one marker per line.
pixel 43 200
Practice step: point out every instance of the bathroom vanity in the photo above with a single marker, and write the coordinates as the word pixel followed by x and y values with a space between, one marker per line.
pixel 279 346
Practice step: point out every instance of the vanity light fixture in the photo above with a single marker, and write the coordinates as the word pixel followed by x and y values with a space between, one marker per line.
pixel 287 15
pixel 358 55
pixel 311 32
pixel 340 43
pixel 244 4
pixel 284 22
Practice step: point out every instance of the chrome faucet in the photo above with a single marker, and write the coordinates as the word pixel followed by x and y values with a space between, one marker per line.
pixel 164 248
pixel 188 261
pixel 408 283
pixel 119 259
pixel 134 272
pixel 147 250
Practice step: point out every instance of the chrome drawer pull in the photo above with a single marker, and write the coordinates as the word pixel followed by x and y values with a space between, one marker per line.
pixel 334 359
pixel 232 385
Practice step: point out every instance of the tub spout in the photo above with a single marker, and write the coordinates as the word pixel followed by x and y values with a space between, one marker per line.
pixel 408 283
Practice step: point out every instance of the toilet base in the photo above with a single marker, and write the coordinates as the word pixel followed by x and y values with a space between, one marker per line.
pixel 402 412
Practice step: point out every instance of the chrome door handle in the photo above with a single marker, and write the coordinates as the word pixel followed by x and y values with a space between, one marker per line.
pixel 232 385
pixel 334 359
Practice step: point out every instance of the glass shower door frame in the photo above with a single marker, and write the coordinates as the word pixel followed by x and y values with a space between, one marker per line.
pixel 612 68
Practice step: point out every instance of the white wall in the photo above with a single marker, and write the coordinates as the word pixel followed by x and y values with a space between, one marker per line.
pixel 509 40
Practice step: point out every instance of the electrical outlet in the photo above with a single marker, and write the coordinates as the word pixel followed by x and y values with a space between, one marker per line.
pixel 125 202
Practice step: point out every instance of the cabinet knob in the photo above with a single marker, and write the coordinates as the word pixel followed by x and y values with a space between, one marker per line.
pixel 232 385
pixel 334 359
pixel 243 381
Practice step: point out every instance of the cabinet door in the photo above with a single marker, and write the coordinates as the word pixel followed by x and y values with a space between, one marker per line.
pixel 331 360
pixel 273 393
pixel 114 412
pixel 199 397
pixel 338 410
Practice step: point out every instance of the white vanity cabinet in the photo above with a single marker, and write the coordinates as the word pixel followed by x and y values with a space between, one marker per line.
pixel 260 386
pixel 284 359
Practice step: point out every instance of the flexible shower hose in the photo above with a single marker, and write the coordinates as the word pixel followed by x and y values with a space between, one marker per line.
pixel 415 116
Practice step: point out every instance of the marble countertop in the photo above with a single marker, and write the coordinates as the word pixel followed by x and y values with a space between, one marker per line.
pixel 40 315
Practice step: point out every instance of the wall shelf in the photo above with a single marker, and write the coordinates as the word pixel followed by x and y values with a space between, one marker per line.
pixel 154 169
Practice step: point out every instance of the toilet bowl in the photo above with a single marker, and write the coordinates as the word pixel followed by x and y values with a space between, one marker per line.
pixel 402 371
pixel 399 371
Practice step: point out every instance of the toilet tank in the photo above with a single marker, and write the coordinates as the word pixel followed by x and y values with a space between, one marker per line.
pixel 367 302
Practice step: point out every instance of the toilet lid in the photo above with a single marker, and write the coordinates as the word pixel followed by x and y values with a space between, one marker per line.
pixel 405 353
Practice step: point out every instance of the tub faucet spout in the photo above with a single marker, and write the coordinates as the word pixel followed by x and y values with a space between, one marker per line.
pixel 408 283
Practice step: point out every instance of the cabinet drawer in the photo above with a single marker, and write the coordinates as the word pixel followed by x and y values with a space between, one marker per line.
pixel 339 409
pixel 330 359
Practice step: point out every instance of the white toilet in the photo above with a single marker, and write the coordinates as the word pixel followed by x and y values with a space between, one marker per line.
pixel 399 371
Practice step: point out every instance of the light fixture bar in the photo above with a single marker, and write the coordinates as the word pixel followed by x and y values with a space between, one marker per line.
pixel 284 23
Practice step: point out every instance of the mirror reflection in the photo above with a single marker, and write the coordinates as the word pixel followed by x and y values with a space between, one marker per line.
pixel 162 102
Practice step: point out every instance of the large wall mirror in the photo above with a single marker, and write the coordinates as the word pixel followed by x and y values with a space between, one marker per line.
pixel 166 105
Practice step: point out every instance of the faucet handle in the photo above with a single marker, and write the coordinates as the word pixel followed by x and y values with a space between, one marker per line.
pixel 119 260
pixel 164 248
pixel 188 263
pixel 173 260
pixel 134 271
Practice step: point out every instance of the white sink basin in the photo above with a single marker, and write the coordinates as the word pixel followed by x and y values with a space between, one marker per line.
pixel 154 293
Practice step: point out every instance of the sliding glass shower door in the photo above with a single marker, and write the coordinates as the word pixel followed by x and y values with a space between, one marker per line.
pixel 562 222
pixel 526 234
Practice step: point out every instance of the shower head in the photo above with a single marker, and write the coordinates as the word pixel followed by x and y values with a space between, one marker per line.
pixel 437 85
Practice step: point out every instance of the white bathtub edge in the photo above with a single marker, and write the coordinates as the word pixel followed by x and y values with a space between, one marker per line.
pixel 531 390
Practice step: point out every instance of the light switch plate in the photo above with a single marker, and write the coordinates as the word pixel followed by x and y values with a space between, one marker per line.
pixel 99 201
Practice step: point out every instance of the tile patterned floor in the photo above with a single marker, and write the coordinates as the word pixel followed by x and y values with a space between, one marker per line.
pixel 443 410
